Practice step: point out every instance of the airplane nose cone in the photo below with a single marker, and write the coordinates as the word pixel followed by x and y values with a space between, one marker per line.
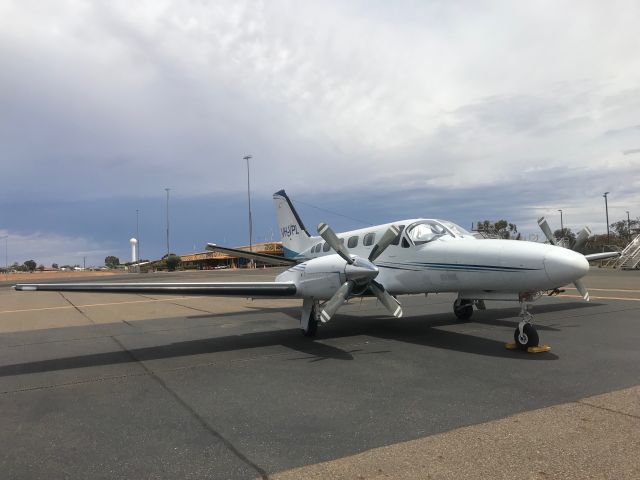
pixel 565 266
pixel 361 270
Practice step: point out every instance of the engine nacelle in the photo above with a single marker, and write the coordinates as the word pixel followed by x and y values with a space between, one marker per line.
pixel 318 278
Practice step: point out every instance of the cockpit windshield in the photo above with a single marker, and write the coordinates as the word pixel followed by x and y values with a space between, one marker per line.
pixel 457 229
pixel 425 231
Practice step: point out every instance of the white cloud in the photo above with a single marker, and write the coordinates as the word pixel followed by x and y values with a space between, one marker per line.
pixel 114 97
pixel 47 248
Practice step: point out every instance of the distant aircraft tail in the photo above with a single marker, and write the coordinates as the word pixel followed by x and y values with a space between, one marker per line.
pixel 295 238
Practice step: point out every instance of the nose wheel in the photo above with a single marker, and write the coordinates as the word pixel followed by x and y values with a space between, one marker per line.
pixel 525 334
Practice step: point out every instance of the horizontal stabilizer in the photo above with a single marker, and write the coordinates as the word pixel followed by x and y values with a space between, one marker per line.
pixel 259 257
pixel 233 289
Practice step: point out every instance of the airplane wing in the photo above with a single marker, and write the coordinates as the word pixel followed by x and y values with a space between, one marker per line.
pixel 261 257
pixel 601 256
pixel 231 289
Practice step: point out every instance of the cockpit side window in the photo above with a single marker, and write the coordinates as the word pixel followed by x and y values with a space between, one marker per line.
pixel 397 239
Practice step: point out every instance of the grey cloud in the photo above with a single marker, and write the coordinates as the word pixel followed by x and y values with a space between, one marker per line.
pixel 426 103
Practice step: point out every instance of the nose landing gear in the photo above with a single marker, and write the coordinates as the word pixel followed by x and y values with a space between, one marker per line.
pixel 525 335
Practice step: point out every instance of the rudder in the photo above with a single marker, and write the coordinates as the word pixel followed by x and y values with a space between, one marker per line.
pixel 295 237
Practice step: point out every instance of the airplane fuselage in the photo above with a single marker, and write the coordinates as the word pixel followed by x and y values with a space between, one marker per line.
pixel 449 263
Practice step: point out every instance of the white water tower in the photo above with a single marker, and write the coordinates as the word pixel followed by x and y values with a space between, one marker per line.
pixel 134 250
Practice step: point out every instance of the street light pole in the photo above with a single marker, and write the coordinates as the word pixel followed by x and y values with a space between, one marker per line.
pixel 247 158
pixel 606 209
pixel 138 232
pixel 6 255
pixel 561 223
pixel 167 190
pixel 628 225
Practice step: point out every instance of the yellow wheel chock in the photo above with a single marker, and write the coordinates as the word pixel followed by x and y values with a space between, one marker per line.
pixel 536 349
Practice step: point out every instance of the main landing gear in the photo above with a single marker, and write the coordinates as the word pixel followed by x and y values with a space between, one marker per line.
pixel 463 309
pixel 309 320
pixel 312 325
pixel 525 334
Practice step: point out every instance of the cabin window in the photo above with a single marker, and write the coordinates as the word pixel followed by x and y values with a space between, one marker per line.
pixel 368 239
pixel 317 248
pixel 397 239
pixel 325 247
pixel 352 242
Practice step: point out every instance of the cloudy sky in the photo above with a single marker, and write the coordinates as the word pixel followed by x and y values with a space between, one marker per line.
pixel 378 110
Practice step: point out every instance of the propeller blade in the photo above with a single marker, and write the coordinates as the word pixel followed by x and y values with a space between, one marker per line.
pixel 388 237
pixel 334 242
pixel 544 226
pixel 582 289
pixel 582 237
pixel 334 303
pixel 389 302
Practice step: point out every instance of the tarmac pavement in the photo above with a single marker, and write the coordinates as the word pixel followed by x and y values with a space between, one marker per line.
pixel 121 386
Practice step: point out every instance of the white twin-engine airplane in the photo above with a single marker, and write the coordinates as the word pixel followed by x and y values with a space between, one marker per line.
pixel 399 258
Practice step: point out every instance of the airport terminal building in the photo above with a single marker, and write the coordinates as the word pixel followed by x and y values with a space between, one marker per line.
pixel 217 260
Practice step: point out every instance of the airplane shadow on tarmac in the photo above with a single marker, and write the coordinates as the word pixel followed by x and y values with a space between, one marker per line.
pixel 418 330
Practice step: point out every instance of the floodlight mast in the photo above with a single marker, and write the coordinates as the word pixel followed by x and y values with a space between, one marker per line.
pixel 138 231
pixel 6 255
pixel 561 225
pixel 606 209
pixel 167 190
pixel 247 158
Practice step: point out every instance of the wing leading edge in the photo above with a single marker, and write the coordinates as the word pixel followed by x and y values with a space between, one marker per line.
pixel 262 257
pixel 232 289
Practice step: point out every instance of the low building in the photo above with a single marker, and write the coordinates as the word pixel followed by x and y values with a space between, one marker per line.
pixel 216 260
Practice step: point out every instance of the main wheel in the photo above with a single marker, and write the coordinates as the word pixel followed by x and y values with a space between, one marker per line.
pixel 312 325
pixel 529 337
pixel 463 309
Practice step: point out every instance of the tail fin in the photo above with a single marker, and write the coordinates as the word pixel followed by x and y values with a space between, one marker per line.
pixel 295 238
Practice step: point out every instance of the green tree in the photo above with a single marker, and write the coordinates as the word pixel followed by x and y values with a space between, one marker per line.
pixel 565 233
pixel 30 265
pixel 41 268
pixel 111 261
pixel 54 265
pixel 499 228
pixel 173 262
pixel 621 227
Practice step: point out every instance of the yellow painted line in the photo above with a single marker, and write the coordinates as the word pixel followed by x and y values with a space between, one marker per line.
pixel 98 304
pixel 602 298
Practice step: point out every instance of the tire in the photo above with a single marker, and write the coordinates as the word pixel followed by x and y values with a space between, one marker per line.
pixel 463 309
pixel 529 339
pixel 312 326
